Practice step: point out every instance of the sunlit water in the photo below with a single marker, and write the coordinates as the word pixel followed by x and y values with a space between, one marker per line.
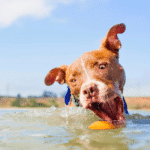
pixel 67 129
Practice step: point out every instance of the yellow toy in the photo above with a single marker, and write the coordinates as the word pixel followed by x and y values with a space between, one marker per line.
pixel 101 125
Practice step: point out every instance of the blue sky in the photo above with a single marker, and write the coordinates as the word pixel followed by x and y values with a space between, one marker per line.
pixel 38 35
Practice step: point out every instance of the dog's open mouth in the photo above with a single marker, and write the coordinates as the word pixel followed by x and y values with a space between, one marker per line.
pixel 111 111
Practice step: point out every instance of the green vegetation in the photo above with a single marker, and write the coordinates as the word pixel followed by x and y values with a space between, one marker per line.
pixel 53 103
pixel 16 102
pixel 22 102
pixel 33 103
pixel 139 106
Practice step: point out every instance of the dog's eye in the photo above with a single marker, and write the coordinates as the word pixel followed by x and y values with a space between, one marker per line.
pixel 73 80
pixel 102 66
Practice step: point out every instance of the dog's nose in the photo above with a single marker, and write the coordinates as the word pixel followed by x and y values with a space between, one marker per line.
pixel 90 90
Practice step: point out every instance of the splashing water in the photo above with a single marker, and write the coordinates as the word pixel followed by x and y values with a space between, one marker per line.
pixel 67 128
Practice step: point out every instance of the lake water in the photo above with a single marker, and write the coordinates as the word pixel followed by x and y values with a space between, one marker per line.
pixel 67 129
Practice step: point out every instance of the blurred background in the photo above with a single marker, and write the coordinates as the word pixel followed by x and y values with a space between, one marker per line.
pixel 38 35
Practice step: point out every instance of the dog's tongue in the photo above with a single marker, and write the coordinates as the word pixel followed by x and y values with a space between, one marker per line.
pixel 110 109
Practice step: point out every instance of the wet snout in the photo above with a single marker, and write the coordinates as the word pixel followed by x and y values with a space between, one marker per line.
pixel 90 91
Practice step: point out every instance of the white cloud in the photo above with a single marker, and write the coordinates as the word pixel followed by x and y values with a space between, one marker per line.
pixel 12 10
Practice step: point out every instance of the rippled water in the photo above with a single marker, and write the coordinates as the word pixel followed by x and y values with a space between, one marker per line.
pixel 67 129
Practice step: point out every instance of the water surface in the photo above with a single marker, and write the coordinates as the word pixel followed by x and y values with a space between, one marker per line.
pixel 67 129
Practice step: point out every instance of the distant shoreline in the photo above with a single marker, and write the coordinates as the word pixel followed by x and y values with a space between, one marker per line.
pixel 133 103
pixel 138 103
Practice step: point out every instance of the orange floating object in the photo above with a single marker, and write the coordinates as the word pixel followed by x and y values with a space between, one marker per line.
pixel 101 125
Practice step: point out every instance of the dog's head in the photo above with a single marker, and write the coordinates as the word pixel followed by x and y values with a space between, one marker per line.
pixel 97 77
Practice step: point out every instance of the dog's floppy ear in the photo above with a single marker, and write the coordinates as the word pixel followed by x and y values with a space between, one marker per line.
pixel 56 74
pixel 111 41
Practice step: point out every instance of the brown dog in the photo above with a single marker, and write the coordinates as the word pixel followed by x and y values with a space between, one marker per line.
pixel 96 79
